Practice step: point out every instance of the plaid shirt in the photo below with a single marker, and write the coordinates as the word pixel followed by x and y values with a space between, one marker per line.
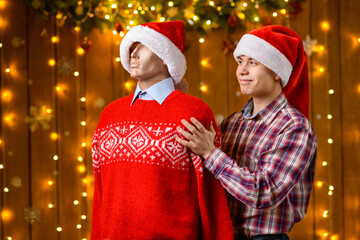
pixel 267 164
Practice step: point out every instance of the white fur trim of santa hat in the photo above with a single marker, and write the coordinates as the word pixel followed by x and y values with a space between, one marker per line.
pixel 159 44
pixel 262 51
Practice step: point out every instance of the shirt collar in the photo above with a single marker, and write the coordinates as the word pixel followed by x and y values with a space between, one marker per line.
pixel 267 113
pixel 159 91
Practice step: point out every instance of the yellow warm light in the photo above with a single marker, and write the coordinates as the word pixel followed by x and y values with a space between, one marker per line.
pixel 274 14
pixel 245 4
pixel 283 11
pixel 201 40
pixel 170 4
pixel 211 3
pixel 76 73
pixel 59 229
pixel 2 4
pixel 80 158
pixel 334 237
pixel 80 51
pixel 6 96
pixel 77 29
pixel 52 62
pixel 358 88
pixel 114 5
pixel 208 22
pixel 319 184
pixel 50 205
pixel 9 238
pixel 330 141
pixel 83 123
pixel 195 18
pixel 325 214
pixel 203 88
pixel 204 63
pixel 321 69
pixel 83 217
pixel 83 99
pixel 330 193
pixel 81 168
pixel 83 144
pixel 54 136
pixel 54 39
pixel 85 180
pixel 256 19
pixel 325 26
pixel 331 187
pixel 6 215
pixel 107 17
pixel 6 189
pixel 48 110
pixel 117 59
pixel 84 194
pixel 1 166
pixel 7 70
pixel 128 85
pixel 325 234
pixel 0 43
pixel 76 202
pixel 56 157
pixel 58 88
pixel 9 119
pixel 78 226
pixel 324 163
pixel 329 116
pixel 331 91
pixel 50 183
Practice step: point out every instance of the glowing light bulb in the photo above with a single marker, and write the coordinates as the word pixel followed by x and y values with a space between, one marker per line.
pixel 162 19
pixel 1 45
pixel 130 5
pixel 330 193
pixel 283 11
pixel 330 141
pixel 80 159
pixel 325 214
pixel 83 123
pixel 319 184
pixel 1 166
pixel 208 22
pixel 203 88
pixel 78 226
pixel 83 144
pixel 274 14
pixel 53 136
pixel 170 4
pixel 50 205
pixel 76 73
pixel 329 116
pixel 56 157
pixel 54 39
pixel 331 187
pixel 152 8
pixel 107 17
pixel 7 70
pixel 211 3
pixel 113 5
pixel 6 96
pixel 6 189
pixel 84 194
pixel 201 40
pixel 50 183
pixel 321 69
pixel 83 99
pixel 81 168
pixel 324 163
pixel 245 4
pixel 256 19
pixel 59 229
pixel 117 59
pixel 325 26
pixel 80 51
pixel 331 91
pixel 77 29
pixel 195 18
pixel 52 62
pixel 76 202
pixel 83 217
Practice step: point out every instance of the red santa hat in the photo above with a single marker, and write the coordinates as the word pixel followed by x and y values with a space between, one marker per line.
pixel 165 39
pixel 281 50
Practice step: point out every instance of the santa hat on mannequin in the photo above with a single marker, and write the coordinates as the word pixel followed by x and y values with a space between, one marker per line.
pixel 165 39
pixel 281 50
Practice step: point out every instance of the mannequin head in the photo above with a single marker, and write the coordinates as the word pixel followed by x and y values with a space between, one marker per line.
pixel 146 66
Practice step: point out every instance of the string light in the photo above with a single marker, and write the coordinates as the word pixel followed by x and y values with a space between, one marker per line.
pixel 325 26
pixel 83 217
pixel 52 62
pixel 76 73
pixel 201 40
pixel 50 205
pixel 56 157
pixel 84 194
pixel 83 99
pixel 54 136
pixel 54 39
pixel 50 183
pixel 330 141
pixel 331 91
pixel 324 163
pixel 78 226
pixel 76 202
pixel 59 229
pixel 170 4
pixel 6 189
pixel 83 123
pixel 274 14
pixel 7 70
pixel 80 51
pixel 1 166
pixel 117 59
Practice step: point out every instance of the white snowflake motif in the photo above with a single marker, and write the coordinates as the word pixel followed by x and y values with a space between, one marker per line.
pixel 109 143
pixel 174 147
pixel 138 141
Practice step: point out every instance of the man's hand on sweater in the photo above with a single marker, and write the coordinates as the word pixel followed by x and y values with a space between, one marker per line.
pixel 199 139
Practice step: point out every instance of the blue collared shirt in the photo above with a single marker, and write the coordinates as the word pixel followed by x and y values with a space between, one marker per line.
pixel 159 91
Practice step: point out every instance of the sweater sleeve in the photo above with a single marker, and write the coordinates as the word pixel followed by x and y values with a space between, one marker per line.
pixel 96 210
pixel 214 211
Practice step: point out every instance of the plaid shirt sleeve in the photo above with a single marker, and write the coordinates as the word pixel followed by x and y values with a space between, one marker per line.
pixel 277 171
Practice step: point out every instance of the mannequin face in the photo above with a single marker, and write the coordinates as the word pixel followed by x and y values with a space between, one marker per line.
pixel 146 66
pixel 257 80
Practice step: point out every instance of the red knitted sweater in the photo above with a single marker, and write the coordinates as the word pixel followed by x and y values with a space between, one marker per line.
pixel 148 186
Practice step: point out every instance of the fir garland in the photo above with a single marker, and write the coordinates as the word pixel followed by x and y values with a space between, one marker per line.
pixel 201 15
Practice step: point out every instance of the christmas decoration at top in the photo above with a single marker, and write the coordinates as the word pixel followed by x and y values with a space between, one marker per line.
pixel 200 15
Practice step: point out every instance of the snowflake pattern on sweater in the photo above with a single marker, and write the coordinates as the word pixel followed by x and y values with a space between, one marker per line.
pixel 141 142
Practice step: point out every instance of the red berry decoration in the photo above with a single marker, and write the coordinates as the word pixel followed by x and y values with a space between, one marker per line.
pixel 85 44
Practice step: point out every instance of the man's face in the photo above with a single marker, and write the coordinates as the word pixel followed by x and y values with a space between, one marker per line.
pixel 255 79
pixel 145 65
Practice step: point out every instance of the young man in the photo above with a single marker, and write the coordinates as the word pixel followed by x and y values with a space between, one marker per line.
pixel 267 157
pixel 147 185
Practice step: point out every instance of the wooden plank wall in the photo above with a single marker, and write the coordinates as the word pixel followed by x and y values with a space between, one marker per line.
pixel 32 178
